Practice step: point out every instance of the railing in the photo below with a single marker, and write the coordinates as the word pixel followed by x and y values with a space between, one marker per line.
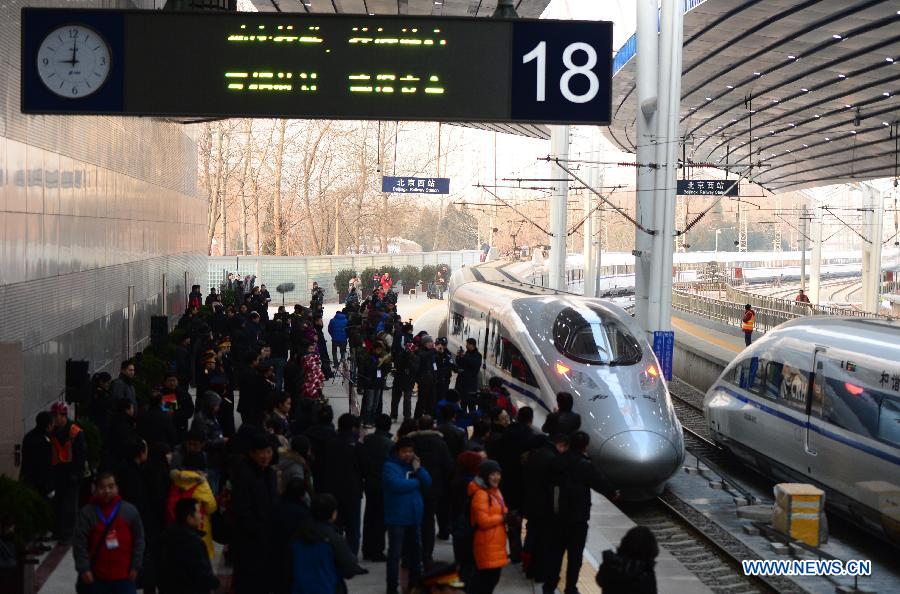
pixel 795 308
pixel 727 312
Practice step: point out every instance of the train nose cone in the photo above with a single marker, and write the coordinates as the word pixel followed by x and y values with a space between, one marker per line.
pixel 638 458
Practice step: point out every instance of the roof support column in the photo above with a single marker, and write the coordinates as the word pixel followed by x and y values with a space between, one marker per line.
pixel 661 257
pixel 559 147
pixel 873 221
pixel 647 62
pixel 815 261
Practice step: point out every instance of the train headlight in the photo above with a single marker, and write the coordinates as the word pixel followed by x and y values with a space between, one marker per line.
pixel 562 369
pixel 649 378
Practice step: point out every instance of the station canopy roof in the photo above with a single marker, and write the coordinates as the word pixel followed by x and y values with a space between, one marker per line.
pixel 814 85
pixel 472 8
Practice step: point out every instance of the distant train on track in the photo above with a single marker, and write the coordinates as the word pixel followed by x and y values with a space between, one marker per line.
pixel 541 342
pixel 818 400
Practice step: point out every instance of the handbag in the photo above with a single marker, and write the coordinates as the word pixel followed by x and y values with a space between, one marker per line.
pixel 81 587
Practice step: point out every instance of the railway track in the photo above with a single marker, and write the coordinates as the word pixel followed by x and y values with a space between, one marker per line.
pixel 713 554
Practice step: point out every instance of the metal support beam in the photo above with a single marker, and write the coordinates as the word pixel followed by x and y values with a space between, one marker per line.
pixel 668 141
pixel 559 146
pixel 647 62
pixel 815 263
pixel 588 232
pixel 873 222
pixel 804 220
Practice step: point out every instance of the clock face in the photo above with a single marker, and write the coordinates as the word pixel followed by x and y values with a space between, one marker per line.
pixel 73 61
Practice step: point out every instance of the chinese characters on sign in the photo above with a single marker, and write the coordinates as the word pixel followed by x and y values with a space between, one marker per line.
pixel 707 187
pixel 664 347
pixel 415 185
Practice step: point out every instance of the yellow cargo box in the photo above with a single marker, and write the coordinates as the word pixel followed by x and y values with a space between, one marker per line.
pixel 799 497
pixel 809 528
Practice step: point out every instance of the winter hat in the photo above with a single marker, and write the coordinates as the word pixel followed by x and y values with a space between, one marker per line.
pixel 426 339
pixel 469 462
pixel 487 468
pixel 59 408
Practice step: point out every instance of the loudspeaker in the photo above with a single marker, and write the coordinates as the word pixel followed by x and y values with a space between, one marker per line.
pixel 159 330
pixel 78 381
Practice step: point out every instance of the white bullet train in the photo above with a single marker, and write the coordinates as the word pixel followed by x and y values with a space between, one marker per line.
pixel 817 400
pixel 541 342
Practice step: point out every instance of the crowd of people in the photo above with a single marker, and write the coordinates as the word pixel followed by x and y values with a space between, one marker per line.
pixel 256 461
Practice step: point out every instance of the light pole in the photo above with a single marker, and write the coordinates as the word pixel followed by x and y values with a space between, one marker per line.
pixel 505 10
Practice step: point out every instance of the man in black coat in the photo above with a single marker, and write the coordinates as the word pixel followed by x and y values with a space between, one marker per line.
pixel 184 566
pixel 179 399
pixel 256 391
pixel 514 443
pixel 376 447
pixel 562 420
pixel 253 498
pixel 536 473
pixel 572 477
pixel 431 449
pixel 155 424
pixel 279 340
pixel 426 377
pixel 37 456
pixel 454 437
pixel 344 470
pixel 468 362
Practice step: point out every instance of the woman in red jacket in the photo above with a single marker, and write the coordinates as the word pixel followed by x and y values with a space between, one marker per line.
pixel 488 517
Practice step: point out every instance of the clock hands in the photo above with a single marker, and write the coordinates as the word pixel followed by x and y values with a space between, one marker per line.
pixel 73 61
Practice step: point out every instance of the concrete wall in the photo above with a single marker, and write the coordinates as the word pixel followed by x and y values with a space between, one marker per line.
pixel 697 362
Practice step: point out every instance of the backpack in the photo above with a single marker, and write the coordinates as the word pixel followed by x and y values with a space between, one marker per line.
pixel 464 537
pixel 176 495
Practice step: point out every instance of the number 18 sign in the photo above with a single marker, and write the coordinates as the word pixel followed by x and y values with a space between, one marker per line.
pixel 562 71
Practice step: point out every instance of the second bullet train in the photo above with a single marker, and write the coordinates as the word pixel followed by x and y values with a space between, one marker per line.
pixel 541 342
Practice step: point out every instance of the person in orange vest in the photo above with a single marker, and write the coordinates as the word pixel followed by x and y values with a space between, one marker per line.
pixel 747 324
pixel 68 459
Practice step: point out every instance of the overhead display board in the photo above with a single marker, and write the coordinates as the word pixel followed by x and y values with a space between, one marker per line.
pixel 159 63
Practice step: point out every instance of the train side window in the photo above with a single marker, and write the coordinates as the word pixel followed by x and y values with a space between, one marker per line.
pixel 850 406
pixel 771 388
pixel 745 373
pixel 512 361
pixel 818 392
pixel 457 324
pixel 794 388
pixel 757 375
pixel 889 421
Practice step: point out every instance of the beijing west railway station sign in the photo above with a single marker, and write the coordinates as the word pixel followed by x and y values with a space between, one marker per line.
pixel 157 63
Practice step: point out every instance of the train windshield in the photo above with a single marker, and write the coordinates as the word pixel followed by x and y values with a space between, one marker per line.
pixel 588 336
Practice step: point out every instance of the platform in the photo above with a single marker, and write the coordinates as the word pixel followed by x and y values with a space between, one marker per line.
pixel 607 525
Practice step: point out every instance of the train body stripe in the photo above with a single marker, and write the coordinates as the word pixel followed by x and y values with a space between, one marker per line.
pixel 863 447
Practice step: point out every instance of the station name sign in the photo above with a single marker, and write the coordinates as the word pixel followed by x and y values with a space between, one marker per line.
pixel 707 187
pixel 160 63
pixel 415 185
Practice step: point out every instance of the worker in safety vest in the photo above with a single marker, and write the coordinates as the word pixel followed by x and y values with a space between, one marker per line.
pixel 68 458
pixel 747 324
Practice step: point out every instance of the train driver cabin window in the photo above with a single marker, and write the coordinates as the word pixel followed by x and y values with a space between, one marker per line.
pixel 589 336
